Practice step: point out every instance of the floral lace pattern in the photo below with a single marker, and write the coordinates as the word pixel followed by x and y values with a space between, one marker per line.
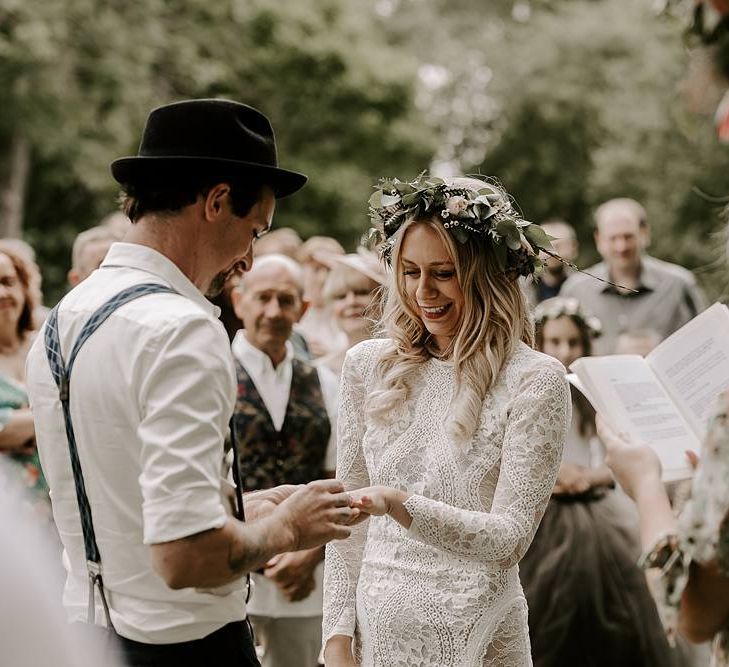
pixel 446 592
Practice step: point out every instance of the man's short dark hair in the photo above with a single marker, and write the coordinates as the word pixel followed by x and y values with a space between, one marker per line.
pixel 173 194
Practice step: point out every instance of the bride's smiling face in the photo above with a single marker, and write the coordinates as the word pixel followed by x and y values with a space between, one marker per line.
pixel 430 282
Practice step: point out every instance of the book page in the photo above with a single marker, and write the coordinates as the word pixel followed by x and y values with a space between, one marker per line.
pixel 693 365
pixel 631 398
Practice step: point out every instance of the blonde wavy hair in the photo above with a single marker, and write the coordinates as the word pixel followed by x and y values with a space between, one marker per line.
pixel 495 318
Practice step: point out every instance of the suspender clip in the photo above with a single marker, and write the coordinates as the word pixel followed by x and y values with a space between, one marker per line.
pixel 94 570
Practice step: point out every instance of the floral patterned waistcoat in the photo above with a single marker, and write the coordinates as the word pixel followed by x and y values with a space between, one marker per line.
pixel 296 453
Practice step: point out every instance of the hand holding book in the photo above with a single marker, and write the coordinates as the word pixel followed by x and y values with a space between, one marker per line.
pixel 634 466
pixel 664 400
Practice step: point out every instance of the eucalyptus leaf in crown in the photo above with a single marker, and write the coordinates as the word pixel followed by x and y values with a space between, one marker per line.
pixel 465 210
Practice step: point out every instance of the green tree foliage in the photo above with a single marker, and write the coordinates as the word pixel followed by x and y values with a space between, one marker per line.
pixel 582 105
pixel 568 102
pixel 593 103
pixel 544 157
pixel 83 74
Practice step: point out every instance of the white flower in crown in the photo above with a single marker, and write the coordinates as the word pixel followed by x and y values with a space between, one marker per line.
pixel 457 205
pixel 572 306
pixel 595 325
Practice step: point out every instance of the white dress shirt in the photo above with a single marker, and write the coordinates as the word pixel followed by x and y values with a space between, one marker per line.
pixel 274 386
pixel 151 395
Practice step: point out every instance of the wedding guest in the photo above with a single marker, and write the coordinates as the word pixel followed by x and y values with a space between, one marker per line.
pixel 689 555
pixel 352 292
pixel 450 435
pixel 649 293
pixel 589 603
pixel 317 326
pixel 285 418
pixel 281 241
pixel 18 303
pixel 26 253
pixel 89 249
pixel 549 282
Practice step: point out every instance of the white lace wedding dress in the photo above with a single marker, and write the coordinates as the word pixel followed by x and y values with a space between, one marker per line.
pixel 446 592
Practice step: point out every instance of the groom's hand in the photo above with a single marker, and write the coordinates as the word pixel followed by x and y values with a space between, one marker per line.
pixel 315 514
pixel 261 503
pixel 293 572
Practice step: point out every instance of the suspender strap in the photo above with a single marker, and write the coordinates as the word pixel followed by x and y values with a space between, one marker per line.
pixel 62 375
pixel 240 507
pixel 240 513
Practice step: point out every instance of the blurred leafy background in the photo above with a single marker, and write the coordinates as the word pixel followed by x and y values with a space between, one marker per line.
pixel 567 102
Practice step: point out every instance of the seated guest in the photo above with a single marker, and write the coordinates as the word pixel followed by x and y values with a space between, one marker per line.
pixel 352 292
pixel 284 418
pixel 317 325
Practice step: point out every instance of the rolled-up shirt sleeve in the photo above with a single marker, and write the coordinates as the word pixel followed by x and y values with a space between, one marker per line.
pixel 186 399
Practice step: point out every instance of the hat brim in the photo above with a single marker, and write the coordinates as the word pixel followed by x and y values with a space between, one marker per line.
pixel 151 168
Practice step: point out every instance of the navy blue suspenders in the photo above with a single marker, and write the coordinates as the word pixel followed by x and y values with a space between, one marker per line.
pixel 62 374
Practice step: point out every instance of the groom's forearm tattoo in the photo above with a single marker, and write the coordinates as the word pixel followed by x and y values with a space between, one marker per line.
pixel 248 554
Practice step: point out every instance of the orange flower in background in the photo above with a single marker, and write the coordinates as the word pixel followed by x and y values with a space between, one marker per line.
pixel 721 6
pixel 722 119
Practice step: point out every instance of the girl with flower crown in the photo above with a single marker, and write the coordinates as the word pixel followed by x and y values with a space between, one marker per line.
pixel 589 603
pixel 450 437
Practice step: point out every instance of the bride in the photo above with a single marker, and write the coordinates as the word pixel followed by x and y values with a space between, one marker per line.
pixel 450 436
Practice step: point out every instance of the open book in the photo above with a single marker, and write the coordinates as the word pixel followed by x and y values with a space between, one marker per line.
pixel 666 399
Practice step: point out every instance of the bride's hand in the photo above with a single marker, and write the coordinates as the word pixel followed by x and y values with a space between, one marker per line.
pixel 374 500
pixel 338 652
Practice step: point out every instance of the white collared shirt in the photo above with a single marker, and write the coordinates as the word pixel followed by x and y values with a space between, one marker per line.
pixel 274 386
pixel 151 395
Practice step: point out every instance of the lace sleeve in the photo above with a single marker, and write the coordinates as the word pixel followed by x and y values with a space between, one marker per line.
pixel 344 557
pixel 532 450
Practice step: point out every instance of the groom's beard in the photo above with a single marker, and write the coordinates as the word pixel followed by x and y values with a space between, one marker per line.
pixel 218 282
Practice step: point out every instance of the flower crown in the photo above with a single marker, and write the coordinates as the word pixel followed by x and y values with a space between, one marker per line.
pixel 487 212
pixel 561 306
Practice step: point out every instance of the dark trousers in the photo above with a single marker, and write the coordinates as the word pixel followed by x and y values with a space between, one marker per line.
pixel 232 644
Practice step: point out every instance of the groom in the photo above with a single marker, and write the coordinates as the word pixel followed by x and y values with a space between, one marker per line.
pixel 147 405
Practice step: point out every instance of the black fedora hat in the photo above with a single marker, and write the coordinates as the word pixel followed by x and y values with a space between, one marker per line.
pixel 207 136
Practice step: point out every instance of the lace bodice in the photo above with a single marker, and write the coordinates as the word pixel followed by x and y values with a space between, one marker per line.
pixel 446 591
